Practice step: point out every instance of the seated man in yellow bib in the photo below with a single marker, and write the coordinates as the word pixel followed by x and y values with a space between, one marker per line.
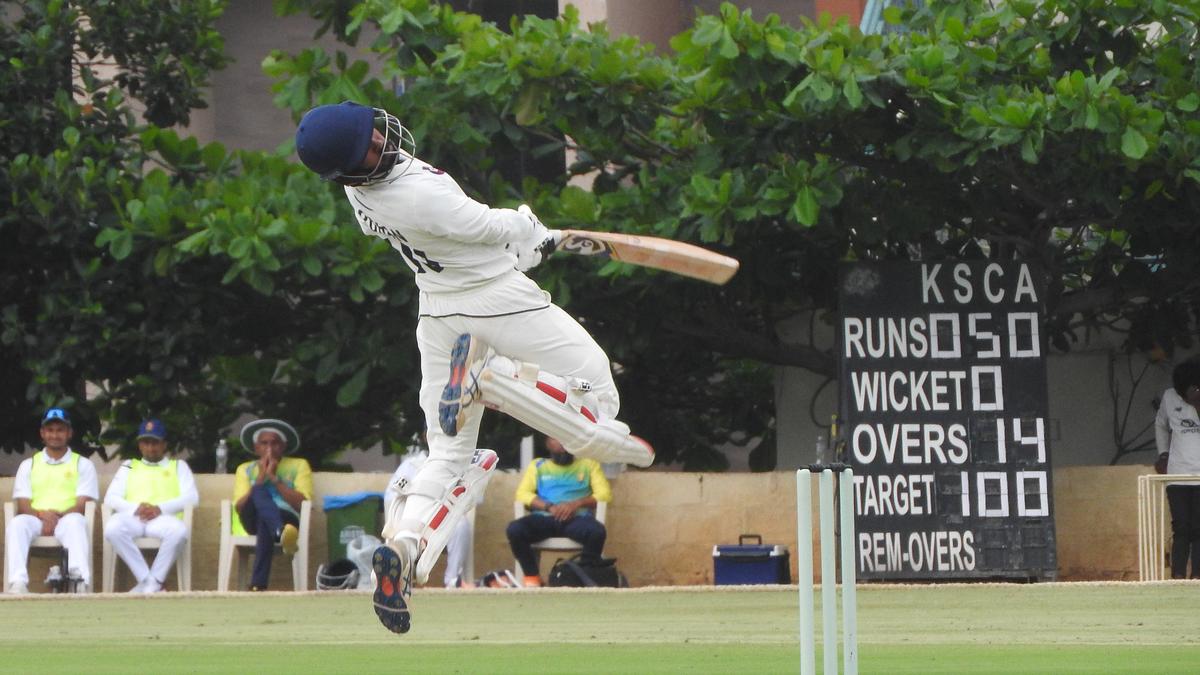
pixel 562 492
pixel 269 491
pixel 148 497
pixel 51 490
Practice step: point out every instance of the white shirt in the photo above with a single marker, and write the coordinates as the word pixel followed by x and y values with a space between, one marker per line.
pixel 87 486
pixel 453 244
pixel 1177 430
pixel 188 496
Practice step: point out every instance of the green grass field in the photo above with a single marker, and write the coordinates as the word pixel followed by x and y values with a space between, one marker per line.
pixel 1037 628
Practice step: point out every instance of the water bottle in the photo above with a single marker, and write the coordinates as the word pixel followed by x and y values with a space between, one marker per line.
pixel 222 456
pixel 822 450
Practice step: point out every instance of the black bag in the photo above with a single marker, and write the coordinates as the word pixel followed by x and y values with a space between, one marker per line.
pixel 577 572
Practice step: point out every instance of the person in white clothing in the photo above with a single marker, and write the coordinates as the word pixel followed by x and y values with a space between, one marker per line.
pixel 51 491
pixel 1177 436
pixel 148 497
pixel 486 332
pixel 461 539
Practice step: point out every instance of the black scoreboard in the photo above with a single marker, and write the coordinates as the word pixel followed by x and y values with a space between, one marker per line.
pixel 943 402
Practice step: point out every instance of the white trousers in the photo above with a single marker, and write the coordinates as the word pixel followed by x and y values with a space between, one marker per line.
pixel 71 532
pixel 456 554
pixel 548 336
pixel 123 528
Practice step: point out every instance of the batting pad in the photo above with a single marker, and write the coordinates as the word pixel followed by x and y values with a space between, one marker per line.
pixel 545 408
pixel 458 498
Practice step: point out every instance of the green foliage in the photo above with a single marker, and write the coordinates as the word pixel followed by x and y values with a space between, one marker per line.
pixel 177 279
pixel 295 312
pixel 67 154
pixel 1060 132
pixel 182 277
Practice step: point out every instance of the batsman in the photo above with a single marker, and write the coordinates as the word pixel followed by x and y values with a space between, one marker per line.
pixel 488 335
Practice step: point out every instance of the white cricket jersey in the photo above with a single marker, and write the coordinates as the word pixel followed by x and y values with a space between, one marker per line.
pixel 453 244
pixel 188 496
pixel 88 485
pixel 1177 430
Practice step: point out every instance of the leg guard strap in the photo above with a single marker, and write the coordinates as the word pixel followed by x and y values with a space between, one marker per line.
pixel 550 411
pixel 398 494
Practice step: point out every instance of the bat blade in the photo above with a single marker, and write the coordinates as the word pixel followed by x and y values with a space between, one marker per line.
pixel 667 255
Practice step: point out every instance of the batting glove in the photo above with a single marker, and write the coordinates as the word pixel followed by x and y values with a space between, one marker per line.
pixel 538 246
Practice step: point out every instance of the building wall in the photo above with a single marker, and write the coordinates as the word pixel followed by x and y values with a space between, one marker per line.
pixel 657 22
pixel 242 114
pixel 662 526
pixel 790 11
pixel 851 9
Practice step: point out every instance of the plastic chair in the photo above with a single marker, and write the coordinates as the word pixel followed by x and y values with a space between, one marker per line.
pixel 562 544
pixel 243 546
pixel 45 543
pixel 183 562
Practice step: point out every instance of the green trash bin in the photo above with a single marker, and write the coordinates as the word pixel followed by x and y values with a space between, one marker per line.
pixel 350 516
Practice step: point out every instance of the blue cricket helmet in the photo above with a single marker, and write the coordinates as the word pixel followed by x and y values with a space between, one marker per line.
pixel 332 140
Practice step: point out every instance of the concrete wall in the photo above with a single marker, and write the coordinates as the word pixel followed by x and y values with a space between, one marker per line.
pixel 662 526
pixel 1096 521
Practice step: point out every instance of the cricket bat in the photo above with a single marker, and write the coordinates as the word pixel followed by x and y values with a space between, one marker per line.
pixel 660 254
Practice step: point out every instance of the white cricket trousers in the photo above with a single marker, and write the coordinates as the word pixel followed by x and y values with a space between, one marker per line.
pixel 71 532
pixel 123 528
pixel 547 336
pixel 456 553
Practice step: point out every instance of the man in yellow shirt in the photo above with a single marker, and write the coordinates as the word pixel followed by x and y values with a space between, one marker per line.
pixel 148 497
pixel 562 492
pixel 51 490
pixel 269 491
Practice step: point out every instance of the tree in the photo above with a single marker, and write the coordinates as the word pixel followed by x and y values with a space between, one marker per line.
pixel 1060 132
pixel 204 283
pixel 174 279
pixel 69 149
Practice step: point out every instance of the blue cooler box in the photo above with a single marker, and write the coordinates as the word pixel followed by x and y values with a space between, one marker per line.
pixel 750 562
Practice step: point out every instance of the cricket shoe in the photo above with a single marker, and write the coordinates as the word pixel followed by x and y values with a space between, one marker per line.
pixel 289 539
pixel 467 361
pixel 393 587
